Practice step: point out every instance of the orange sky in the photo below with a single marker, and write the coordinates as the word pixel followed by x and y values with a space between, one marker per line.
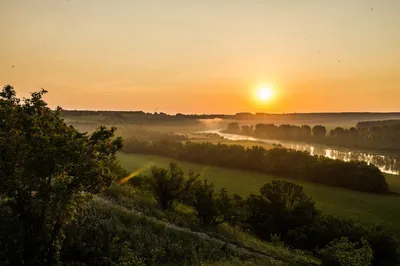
pixel 204 57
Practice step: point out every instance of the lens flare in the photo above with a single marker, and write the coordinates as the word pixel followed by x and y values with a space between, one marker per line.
pixel 137 172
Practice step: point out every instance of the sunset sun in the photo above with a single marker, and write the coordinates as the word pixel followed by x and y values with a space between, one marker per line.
pixel 265 93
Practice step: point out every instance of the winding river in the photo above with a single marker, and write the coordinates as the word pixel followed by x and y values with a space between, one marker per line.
pixel 386 164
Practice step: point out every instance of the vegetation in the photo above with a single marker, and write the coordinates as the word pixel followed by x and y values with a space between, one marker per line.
pixel 280 207
pixel 170 187
pixel 362 207
pixel 48 215
pixel 283 210
pixel 278 161
pixel 369 135
pixel 234 246
pixel 47 169
pixel 344 252
pixel 215 208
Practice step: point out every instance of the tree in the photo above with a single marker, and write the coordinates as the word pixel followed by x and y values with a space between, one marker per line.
pixel 170 187
pixel 282 206
pixel 47 169
pixel 319 131
pixel 234 127
pixel 214 208
pixel 305 131
pixel 345 253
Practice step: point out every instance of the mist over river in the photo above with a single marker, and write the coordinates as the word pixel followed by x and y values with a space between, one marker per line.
pixel 387 164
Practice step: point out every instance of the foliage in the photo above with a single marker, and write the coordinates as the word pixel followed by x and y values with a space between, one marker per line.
pixel 106 234
pixel 170 187
pixel 47 170
pixel 369 134
pixel 345 253
pixel 282 162
pixel 328 228
pixel 214 208
pixel 282 206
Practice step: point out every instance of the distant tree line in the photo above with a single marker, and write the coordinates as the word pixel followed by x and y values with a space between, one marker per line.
pixel 380 123
pixel 365 135
pixel 278 161
pixel 280 212
pixel 240 116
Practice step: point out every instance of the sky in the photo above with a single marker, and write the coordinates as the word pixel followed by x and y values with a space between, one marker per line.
pixel 204 56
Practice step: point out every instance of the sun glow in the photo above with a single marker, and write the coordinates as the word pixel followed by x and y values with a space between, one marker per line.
pixel 265 93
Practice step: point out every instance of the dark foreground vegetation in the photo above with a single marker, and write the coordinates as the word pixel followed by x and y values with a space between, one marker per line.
pixel 282 162
pixel 281 212
pixel 371 134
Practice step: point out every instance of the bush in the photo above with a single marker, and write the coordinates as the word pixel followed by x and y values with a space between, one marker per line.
pixel 345 253
pixel 329 228
pixel 170 187
pixel 282 206
pixel 213 208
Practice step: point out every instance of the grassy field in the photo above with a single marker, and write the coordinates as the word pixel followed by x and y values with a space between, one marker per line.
pixel 363 207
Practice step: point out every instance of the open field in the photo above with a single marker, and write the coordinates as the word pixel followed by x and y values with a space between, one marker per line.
pixel 363 207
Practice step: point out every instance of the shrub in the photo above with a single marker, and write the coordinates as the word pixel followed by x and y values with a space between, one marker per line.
pixel 170 187
pixel 213 208
pixel 282 206
pixel 345 253
pixel 328 228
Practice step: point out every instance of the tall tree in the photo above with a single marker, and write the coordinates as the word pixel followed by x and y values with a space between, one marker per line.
pixel 319 131
pixel 47 169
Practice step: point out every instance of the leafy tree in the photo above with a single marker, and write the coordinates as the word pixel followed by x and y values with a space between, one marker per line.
pixel 345 253
pixel 282 206
pixel 305 131
pixel 234 127
pixel 319 131
pixel 47 169
pixel 170 187
pixel 214 208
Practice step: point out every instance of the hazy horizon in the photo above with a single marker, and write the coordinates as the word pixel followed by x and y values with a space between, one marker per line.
pixel 205 57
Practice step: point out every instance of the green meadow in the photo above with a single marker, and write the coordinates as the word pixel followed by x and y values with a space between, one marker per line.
pixel 363 207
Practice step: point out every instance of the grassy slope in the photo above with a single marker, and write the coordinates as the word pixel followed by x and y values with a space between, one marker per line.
pixel 394 182
pixel 367 208
pixel 234 247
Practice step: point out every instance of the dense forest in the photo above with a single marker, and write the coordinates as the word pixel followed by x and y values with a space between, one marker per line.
pixel 378 135
pixel 281 162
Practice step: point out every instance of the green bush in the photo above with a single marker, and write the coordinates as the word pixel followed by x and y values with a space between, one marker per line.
pixel 282 206
pixel 214 208
pixel 170 187
pixel 327 228
pixel 345 253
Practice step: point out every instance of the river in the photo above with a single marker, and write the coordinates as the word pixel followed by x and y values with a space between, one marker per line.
pixel 387 164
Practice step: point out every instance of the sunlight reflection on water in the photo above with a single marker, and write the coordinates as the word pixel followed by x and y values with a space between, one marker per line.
pixel 386 164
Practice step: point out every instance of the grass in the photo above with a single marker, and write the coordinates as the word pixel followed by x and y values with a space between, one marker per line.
pixel 363 207
pixel 394 182
pixel 257 252
pixel 147 241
